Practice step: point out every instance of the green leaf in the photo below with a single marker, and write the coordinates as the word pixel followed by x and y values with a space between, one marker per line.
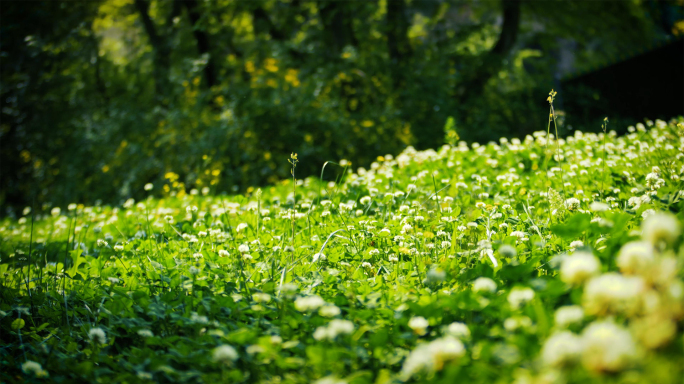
pixel 573 227
pixel 18 324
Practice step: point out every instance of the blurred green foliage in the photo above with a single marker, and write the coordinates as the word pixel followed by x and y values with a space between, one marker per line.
pixel 100 98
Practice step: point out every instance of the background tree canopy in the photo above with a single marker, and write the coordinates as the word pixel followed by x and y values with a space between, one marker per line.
pixel 100 98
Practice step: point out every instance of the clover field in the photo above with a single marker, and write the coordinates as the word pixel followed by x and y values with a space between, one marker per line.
pixel 527 261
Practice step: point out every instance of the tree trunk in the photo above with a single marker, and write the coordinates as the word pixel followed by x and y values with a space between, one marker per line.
pixel 162 51
pixel 490 63
pixel 397 40
pixel 202 39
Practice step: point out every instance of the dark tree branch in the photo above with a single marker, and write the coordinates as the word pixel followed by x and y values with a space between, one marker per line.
pixel 261 17
pixel 202 39
pixel 338 31
pixel 473 83
pixel 162 53
pixel 509 29
pixel 397 39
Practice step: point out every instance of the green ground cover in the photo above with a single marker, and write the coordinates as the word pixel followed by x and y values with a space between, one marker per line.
pixel 529 261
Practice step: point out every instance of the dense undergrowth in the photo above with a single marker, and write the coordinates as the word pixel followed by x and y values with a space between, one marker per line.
pixel 532 261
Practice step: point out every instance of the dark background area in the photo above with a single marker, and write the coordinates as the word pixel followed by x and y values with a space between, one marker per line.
pixel 99 98
pixel 650 84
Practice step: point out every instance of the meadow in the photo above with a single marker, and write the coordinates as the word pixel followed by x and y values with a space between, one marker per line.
pixel 532 260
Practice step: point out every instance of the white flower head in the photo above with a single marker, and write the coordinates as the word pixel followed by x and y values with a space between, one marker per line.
pixel 578 267
pixel 309 303
pixel 484 284
pixel 635 257
pixel 572 204
pixel 519 296
pixel 612 293
pixel 329 311
pixel 561 349
pixel 660 227
pixel 419 325
pixel 261 297
pixel 458 330
pixel 145 333
pixel 607 347
pixel 568 315
pixel 430 357
pixel 97 335
pixel 34 368
pixel 598 206
pixel 224 354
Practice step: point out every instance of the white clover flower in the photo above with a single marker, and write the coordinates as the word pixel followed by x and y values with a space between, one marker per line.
pixel 635 257
pixel 518 234
pixel 365 200
pixel 114 280
pixel 458 330
pixel 97 335
pixel 385 232
pixel 329 311
pixel 561 349
pixel 612 293
pixel 366 265
pixel 243 248
pixel 430 357
pixel 645 214
pixel 102 243
pixel 607 347
pixel 169 219
pixel 224 354
pixel 119 247
pixel 576 244
pixel 435 276
pixel 309 303
pixel 319 256
pixel 598 206
pixel 393 258
pixel 519 296
pixel 223 253
pixel 261 297
pixel 330 380
pixel 578 267
pixel 660 227
pixel 374 252
pixel 335 328
pixel 55 211
pixel 484 284
pixel 572 204
pixel 570 314
pixel 148 186
pixel 34 368
pixel 340 327
pixel 517 322
pixel 241 227
pixel 145 333
pixel 419 325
